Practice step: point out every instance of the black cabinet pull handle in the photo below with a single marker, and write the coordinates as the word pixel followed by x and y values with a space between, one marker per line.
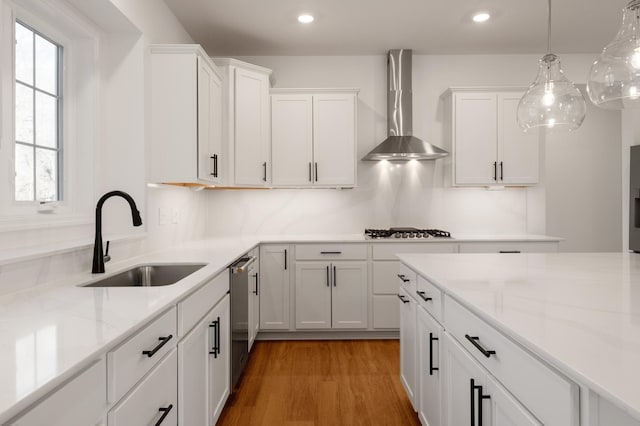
pixel 509 251
pixel 481 397
pixel 401 297
pixel 310 178
pixel 285 259
pixel 335 281
pixel 501 170
pixel 330 252
pixel 495 171
pixel 403 278
pixel 165 413
pixel 264 178
pixel 213 166
pixel 316 172
pixel 474 342
pixel 163 341
pixel 431 367
pixel 257 283
pixel 256 288
pixel 423 297
pixel 472 401
pixel 328 285
pixel 215 350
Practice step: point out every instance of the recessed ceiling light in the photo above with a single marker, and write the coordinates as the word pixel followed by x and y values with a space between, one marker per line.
pixel 305 19
pixel 481 17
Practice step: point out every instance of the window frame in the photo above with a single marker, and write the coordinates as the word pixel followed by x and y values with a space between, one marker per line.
pixel 81 84
pixel 60 114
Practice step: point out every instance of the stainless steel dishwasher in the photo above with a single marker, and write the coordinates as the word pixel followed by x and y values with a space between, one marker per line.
pixel 240 271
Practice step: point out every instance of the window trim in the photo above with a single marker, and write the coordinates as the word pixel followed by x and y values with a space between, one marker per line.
pixel 80 39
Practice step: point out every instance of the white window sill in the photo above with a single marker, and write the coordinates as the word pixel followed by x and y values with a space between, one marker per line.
pixel 41 221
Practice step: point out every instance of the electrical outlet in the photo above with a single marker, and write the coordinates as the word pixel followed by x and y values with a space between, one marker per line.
pixel 163 216
pixel 175 215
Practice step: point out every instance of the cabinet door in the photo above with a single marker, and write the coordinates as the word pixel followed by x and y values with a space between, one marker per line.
pixel 408 345
pixel 475 135
pixel 193 375
pixel 429 375
pixel 517 152
pixel 291 140
pixel 209 136
pixel 313 295
pixel 251 127
pixel 254 298
pixel 349 295
pixel 274 287
pixel 220 362
pixel 334 139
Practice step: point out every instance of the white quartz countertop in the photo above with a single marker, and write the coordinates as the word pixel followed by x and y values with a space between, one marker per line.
pixel 51 332
pixel 578 311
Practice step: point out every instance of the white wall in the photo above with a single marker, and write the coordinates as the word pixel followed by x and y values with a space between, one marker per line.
pixel 119 156
pixel 413 194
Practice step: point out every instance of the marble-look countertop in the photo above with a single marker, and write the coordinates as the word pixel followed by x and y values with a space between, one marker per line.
pixel 51 332
pixel 580 312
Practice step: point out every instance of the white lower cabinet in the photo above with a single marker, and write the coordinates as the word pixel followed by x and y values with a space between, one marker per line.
pixel 429 335
pixel 254 297
pixel 408 346
pixel 153 401
pixel 471 396
pixel 203 368
pixel 274 286
pixel 331 295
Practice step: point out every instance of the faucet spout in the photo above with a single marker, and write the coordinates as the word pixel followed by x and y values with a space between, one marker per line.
pixel 98 254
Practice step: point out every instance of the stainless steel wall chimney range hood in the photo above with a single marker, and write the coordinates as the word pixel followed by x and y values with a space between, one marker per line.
pixel 401 144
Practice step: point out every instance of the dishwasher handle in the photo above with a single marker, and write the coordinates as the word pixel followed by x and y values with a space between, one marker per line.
pixel 241 265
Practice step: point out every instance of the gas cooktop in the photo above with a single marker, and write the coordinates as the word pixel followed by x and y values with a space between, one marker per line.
pixel 413 233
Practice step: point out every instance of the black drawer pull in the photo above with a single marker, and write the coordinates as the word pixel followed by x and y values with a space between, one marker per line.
pixel 509 251
pixel 165 413
pixel 163 341
pixel 431 367
pixel 423 296
pixel 403 278
pixel 403 299
pixel 474 342
pixel 330 252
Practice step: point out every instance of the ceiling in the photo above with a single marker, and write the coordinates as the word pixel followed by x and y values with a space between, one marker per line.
pixel 371 27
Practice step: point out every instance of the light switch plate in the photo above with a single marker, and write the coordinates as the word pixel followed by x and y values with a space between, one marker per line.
pixel 175 215
pixel 163 216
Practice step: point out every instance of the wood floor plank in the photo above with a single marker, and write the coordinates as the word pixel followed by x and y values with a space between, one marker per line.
pixel 318 383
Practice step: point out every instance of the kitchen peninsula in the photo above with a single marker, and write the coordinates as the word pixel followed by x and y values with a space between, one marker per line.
pixel 554 338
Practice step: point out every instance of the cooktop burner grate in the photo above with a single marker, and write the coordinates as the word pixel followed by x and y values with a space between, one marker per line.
pixel 413 233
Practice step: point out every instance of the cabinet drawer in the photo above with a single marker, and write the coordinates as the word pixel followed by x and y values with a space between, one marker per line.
pixel 407 279
pixel 127 363
pixel 86 393
pixel 388 251
pixel 549 396
pixel 510 247
pixel 429 297
pixel 194 307
pixel 331 251
pixel 385 277
pixel 154 397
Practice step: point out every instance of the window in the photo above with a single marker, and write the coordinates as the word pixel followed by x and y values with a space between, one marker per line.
pixel 38 116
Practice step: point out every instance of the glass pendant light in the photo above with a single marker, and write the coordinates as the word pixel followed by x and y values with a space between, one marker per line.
pixel 614 79
pixel 552 103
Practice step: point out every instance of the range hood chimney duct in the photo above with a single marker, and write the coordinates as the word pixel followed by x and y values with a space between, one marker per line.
pixel 401 144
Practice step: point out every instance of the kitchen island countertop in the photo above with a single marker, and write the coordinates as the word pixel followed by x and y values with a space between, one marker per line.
pixel 580 312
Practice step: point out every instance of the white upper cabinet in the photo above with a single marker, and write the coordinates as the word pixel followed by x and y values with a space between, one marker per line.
pixel 246 129
pixel 186 116
pixel 489 148
pixel 313 137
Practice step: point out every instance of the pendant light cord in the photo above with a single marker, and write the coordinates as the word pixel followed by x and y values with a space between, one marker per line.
pixel 549 27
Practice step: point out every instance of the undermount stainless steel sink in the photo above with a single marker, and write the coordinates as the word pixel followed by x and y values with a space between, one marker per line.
pixel 148 276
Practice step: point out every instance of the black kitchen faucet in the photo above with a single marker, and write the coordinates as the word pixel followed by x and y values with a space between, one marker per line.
pixel 98 254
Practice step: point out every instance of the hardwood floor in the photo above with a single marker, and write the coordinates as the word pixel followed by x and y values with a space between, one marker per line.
pixel 312 383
